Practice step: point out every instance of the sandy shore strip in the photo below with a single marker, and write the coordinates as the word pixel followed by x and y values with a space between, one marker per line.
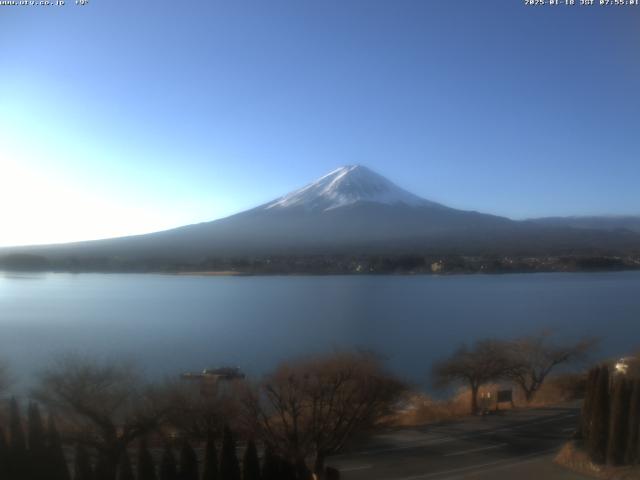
pixel 218 273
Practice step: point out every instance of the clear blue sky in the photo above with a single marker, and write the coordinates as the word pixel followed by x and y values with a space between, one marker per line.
pixel 130 116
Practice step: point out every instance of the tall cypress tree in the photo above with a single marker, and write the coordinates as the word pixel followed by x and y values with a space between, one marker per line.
pixel 82 464
pixel 146 468
pixel 104 469
pixel 619 425
pixel 4 455
pixel 270 465
pixel 331 474
pixel 36 431
pixel 210 469
pixel 229 465
pixel 38 458
pixel 287 470
pixel 168 469
pixel 302 471
pixel 125 472
pixel 599 434
pixel 250 462
pixel 631 455
pixel 188 462
pixel 587 410
pixel 16 434
pixel 18 463
pixel 59 470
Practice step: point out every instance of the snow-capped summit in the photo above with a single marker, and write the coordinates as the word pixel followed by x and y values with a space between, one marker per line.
pixel 346 186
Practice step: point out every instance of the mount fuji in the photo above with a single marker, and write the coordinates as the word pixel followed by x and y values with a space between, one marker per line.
pixel 350 211
pixel 347 186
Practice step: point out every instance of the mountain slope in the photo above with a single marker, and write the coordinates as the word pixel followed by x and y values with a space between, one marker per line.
pixel 350 211
pixel 610 223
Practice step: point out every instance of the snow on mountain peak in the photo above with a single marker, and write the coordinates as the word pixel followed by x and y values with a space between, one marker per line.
pixel 345 186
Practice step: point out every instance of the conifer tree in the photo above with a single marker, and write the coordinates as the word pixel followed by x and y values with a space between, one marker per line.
pixel 16 434
pixel 38 459
pixel 188 462
pixel 168 469
pixel 210 469
pixel 125 472
pixel 18 464
pixel 4 455
pixel 103 469
pixel 229 465
pixel 618 428
pixel 270 465
pixel 302 471
pixel 587 410
pixel 57 463
pixel 250 462
pixel 146 467
pixel 287 470
pixel 631 455
pixel 331 474
pixel 82 464
pixel 37 443
pixel 599 430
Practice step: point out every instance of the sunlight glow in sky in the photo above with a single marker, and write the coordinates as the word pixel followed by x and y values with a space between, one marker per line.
pixel 49 196
pixel 122 117
pixel 39 200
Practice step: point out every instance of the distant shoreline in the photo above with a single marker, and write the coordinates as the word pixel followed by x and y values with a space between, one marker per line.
pixel 399 264
pixel 376 274
pixel 321 274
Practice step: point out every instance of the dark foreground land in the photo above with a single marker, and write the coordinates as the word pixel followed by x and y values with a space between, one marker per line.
pixel 518 444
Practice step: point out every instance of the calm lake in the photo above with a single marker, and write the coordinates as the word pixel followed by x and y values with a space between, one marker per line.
pixel 170 324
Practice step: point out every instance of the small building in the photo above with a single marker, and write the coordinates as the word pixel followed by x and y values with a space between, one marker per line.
pixel 209 379
pixel 437 267
pixel 219 373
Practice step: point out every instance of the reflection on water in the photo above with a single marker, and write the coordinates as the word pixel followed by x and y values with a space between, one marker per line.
pixel 22 275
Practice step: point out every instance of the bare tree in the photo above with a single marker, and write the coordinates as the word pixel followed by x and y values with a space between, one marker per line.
pixel 532 358
pixel 199 413
pixel 105 405
pixel 312 408
pixel 485 361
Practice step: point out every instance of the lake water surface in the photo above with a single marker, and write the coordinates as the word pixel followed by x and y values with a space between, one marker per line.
pixel 171 324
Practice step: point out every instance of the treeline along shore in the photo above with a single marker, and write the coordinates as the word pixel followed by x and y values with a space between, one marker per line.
pixel 327 264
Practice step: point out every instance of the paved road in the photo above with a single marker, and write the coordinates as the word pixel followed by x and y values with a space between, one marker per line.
pixel 518 444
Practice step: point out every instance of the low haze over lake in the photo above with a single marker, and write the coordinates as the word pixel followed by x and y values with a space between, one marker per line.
pixel 171 324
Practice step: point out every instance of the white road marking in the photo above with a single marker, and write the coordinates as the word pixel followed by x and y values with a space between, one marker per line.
pixel 353 469
pixel 528 424
pixel 473 450
pixel 405 446
pixel 497 467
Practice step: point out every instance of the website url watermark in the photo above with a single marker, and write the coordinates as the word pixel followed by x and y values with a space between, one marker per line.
pixel 42 3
